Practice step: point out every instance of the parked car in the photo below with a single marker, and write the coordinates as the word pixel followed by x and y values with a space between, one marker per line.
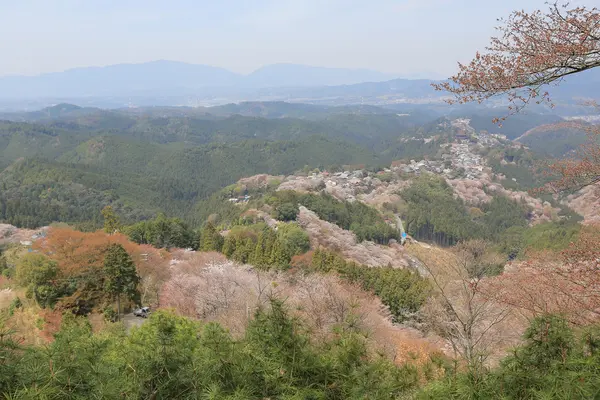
pixel 142 312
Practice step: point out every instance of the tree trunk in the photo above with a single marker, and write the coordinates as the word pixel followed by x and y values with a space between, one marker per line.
pixel 118 307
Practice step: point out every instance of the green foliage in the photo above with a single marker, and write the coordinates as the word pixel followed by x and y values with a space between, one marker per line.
pixel 521 165
pixel 120 275
pixel 73 366
pixel 8 273
pixel 412 148
pixel 35 193
pixel 162 232
pixel 147 177
pixel 433 213
pixel 556 142
pixel 401 290
pixel 293 238
pixel 502 213
pixel 39 275
pixel 67 170
pixel 110 314
pixel 160 353
pixel 261 246
pixel 14 305
pixel 10 356
pixel 286 212
pixel 549 340
pixel 366 222
pixel 3 264
pixel 216 209
pixel 19 139
pixel 512 127
pixel 553 363
pixel 554 236
pixel 112 223
pixel 171 357
pixel 210 238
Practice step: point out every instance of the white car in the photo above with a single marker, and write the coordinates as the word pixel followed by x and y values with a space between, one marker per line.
pixel 142 312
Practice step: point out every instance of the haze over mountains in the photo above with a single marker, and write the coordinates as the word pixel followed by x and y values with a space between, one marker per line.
pixel 169 83
pixel 171 76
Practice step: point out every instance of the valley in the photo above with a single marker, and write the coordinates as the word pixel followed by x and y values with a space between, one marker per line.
pixel 401 243
pixel 310 208
pixel 300 200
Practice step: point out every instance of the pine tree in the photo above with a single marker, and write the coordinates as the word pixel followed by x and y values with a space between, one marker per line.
pixel 244 248
pixel 248 251
pixel 112 223
pixel 258 257
pixel 317 261
pixel 269 237
pixel 229 246
pixel 120 275
pixel 339 264
pixel 279 256
pixel 211 239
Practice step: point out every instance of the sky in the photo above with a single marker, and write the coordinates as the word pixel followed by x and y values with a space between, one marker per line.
pixel 423 38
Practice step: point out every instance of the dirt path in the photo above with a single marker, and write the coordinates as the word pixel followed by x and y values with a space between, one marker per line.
pixel 130 320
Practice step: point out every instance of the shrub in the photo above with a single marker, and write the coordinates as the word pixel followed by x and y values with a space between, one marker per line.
pixel 14 305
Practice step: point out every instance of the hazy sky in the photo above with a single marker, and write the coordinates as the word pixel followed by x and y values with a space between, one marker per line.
pixel 396 36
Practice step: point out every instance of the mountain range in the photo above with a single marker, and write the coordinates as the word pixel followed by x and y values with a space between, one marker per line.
pixel 169 83
pixel 169 77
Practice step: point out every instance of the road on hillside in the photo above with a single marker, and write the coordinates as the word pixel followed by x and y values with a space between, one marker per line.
pixel 130 320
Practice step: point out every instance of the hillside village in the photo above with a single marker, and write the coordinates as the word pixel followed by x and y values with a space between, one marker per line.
pixel 459 162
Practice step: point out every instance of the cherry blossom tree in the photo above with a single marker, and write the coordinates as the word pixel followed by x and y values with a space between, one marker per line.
pixel 532 51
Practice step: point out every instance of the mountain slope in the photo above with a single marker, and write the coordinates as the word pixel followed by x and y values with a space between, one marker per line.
pixel 169 83
pixel 372 127
pixel 555 140
pixel 138 174
pixel 117 79
pixel 512 127
pixel 36 193
pixel 186 174
pixel 33 140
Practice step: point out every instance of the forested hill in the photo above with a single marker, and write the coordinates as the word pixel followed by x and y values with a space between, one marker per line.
pixel 368 126
pixel 75 160
pixel 149 177
pixel 67 162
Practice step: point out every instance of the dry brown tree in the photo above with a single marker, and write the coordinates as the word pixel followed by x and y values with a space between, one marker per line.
pixel 567 283
pixel 458 311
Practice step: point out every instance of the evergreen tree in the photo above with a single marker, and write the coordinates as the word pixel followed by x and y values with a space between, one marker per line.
pixel 279 255
pixel 112 223
pixel 211 238
pixel 248 250
pixel 259 258
pixel 120 275
pixel 318 260
pixel 229 246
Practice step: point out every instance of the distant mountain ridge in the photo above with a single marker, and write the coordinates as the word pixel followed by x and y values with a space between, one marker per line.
pixel 174 77
pixel 294 75
pixel 169 83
